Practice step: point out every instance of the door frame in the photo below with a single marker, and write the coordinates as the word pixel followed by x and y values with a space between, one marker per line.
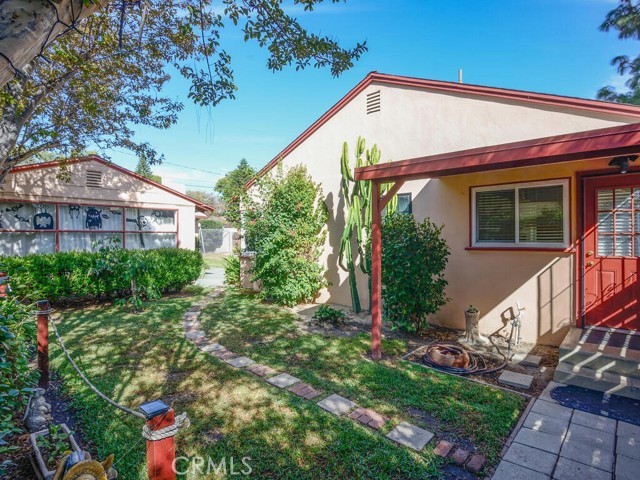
pixel 581 178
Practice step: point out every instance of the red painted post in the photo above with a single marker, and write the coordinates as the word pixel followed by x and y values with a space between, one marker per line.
pixel 376 271
pixel 161 453
pixel 44 309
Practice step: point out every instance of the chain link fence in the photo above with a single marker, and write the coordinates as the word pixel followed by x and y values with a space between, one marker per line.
pixel 219 240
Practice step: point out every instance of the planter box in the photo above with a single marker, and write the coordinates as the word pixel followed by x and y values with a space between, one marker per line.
pixel 38 463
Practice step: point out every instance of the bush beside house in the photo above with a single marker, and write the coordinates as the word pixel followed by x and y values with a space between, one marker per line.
pixel 414 257
pixel 66 276
pixel 284 226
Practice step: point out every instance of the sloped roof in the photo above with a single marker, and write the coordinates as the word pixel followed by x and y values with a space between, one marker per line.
pixel 599 143
pixel 453 87
pixel 92 158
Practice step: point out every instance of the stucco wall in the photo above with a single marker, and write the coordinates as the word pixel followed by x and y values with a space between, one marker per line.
pixel 118 189
pixel 416 122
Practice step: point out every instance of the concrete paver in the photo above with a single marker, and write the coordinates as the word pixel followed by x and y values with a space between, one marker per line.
pixel 627 468
pixel 540 440
pixel 567 469
pixel 410 436
pixel 337 405
pixel 515 379
pixel 594 421
pixel 283 380
pixel 593 457
pixel 531 458
pixel 511 471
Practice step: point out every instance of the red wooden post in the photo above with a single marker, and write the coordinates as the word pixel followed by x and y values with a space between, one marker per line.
pixel 44 309
pixel 161 453
pixel 376 271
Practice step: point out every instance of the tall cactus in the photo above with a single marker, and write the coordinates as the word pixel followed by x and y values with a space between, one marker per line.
pixel 359 202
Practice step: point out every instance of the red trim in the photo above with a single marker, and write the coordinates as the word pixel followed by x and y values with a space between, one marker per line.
pixel 455 88
pixel 604 142
pixel 118 168
pixel 521 249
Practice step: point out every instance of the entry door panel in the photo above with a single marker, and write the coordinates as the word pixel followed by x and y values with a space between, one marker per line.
pixel 611 251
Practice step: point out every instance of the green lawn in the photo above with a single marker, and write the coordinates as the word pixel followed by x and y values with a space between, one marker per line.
pixel 135 358
pixel 215 260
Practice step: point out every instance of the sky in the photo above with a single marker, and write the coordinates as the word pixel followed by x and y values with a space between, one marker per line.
pixel 549 46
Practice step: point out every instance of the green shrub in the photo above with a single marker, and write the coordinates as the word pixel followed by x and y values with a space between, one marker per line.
pixel 84 276
pixel 325 313
pixel 17 334
pixel 284 225
pixel 232 270
pixel 211 224
pixel 414 257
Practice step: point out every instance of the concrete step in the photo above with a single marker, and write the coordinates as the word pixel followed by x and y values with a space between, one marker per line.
pixel 593 356
pixel 600 380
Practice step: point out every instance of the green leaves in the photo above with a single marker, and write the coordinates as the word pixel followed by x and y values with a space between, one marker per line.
pixel 414 257
pixel 285 226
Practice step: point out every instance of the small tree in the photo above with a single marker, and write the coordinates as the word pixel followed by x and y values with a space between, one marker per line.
pixel 285 227
pixel 231 189
pixel 414 257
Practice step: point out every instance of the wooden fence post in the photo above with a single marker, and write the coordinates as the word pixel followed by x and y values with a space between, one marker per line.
pixel 161 452
pixel 44 309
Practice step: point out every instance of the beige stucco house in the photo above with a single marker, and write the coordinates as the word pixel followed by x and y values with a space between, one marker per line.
pixel 42 211
pixel 517 233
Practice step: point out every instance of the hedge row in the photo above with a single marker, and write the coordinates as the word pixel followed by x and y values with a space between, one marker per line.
pixel 72 276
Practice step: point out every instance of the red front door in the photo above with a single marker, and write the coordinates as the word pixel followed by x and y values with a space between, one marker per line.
pixel 611 251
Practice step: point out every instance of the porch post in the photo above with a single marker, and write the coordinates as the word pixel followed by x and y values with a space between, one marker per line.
pixel 376 271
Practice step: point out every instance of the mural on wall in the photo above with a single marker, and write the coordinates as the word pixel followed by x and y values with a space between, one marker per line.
pixel 74 211
pixel 42 220
pixel 115 212
pixel 94 218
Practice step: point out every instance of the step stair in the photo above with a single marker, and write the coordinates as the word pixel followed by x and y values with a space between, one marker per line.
pixel 606 361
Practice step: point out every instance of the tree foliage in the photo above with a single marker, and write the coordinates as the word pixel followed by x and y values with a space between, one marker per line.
pixel 624 19
pixel 285 226
pixel 97 82
pixel 144 169
pixel 231 189
pixel 414 257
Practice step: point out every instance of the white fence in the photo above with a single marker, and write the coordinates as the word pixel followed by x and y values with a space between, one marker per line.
pixel 217 240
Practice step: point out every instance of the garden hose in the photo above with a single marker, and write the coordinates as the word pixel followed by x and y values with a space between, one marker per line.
pixel 476 362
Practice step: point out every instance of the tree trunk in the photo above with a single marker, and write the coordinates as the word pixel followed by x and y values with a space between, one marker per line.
pixel 27 26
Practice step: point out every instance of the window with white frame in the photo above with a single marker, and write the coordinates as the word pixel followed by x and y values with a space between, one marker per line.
pixel 532 214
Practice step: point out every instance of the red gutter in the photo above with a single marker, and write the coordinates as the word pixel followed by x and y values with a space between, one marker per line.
pixel 452 87
pixel 604 142
pixel 57 163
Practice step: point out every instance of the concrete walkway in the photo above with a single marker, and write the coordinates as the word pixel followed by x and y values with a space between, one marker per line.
pixel 560 443
pixel 213 277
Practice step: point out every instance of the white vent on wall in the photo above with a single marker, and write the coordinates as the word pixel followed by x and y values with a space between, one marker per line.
pixel 373 102
pixel 94 178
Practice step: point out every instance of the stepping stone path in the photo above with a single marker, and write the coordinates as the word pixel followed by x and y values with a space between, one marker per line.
pixel 404 433
pixel 526 360
pixel 515 379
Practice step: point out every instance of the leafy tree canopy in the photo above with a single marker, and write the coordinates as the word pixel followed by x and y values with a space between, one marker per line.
pixel 94 84
pixel 624 19
pixel 231 188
